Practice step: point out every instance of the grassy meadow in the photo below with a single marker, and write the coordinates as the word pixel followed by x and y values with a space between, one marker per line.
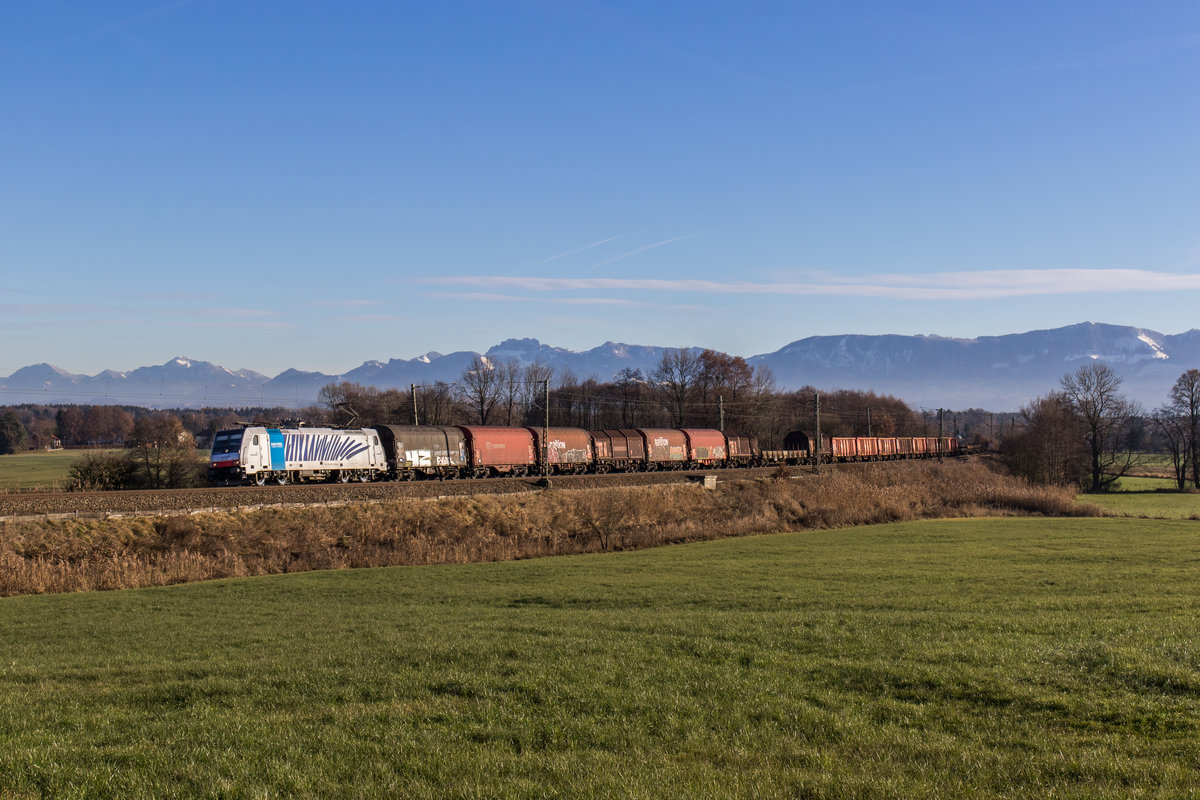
pixel 1018 657
pixel 1151 498
pixel 37 469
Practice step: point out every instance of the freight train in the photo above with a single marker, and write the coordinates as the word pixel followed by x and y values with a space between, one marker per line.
pixel 264 455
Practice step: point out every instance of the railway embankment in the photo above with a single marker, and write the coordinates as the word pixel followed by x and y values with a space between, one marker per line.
pixel 46 554
pixel 59 504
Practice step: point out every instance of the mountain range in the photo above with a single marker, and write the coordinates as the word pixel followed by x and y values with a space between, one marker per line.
pixel 993 372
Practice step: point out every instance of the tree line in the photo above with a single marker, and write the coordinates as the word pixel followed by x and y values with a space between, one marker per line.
pixel 1085 433
pixel 688 388
pixel 1088 434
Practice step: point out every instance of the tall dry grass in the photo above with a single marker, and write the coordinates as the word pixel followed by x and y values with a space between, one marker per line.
pixel 82 555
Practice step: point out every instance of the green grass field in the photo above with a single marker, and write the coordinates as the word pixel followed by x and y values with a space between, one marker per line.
pixel 37 469
pixel 1151 498
pixel 1017 658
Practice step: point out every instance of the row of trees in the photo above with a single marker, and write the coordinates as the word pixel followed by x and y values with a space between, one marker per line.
pixel 1085 433
pixel 687 389
pixel 1089 434
pixel 43 426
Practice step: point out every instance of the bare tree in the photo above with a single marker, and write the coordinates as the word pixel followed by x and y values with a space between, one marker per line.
pixel 164 452
pixel 1108 421
pixel 481 388
pixel 435 404
pixel 676 379
pixel 509 377
pixel 629 384
pixel 1185 404
pixel 1173 436
pixel 1049 447
pixel 564 400
pixel 533 391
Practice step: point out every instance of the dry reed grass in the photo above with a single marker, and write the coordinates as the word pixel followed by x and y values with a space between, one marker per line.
pixel 82 555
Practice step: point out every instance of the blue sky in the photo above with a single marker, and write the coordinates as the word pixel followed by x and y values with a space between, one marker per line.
pixel 314 184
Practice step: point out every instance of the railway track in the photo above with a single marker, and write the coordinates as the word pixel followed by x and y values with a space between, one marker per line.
pixel 152 501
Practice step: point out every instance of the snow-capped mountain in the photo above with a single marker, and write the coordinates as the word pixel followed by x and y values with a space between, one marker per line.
pixel 998 372
pixel 995 372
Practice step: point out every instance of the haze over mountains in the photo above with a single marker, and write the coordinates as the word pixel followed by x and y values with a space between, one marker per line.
pixel 993 372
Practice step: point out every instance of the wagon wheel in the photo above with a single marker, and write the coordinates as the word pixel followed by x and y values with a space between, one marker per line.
pixel 261 478
pixel 282 478
pixel 343 476
pixel 364 476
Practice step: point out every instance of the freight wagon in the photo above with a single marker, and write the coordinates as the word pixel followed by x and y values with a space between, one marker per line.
pixel 405 452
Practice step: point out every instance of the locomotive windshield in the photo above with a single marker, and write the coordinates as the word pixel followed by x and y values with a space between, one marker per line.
pixel 227 442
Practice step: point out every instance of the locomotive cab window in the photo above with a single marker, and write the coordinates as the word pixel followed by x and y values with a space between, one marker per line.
pixel 227 442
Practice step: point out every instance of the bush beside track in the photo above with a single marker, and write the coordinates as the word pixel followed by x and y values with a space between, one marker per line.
pixel 38 556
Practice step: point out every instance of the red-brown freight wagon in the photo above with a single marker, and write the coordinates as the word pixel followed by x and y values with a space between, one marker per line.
pixel 843 448
pixel 868 448
pixel 705 446
pixel 888 447
pixel 666 448
pixel 568 449
pixel 741 450
pixel 495 450
pixel 618 449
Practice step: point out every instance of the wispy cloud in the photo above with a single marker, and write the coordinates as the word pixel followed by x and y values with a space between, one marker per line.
pixel 166 295
pixel 57 309
pixel 979 285
pixel 513 298
pixel 126 22
pixel 642 249
pixel 580 249
pixel 256 324
pixel 346 303
pixel 557 301
pixel 366 318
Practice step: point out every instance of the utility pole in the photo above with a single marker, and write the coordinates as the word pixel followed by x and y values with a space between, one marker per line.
pixel 817 444
pixel 414 398
pixel 721 406
pixel 941 414
pixel 546 433
pixel 868 420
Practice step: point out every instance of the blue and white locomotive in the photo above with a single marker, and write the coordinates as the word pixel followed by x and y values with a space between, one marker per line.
pixel 287 455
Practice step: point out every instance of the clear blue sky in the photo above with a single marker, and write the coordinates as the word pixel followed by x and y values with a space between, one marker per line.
pixel 315 184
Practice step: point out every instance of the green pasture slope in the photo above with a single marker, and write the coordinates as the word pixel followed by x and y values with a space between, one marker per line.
pixel 1016 658
pixel 37 469
pixel 1152 498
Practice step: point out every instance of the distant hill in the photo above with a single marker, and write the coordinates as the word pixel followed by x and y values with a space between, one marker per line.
pixel 993 372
